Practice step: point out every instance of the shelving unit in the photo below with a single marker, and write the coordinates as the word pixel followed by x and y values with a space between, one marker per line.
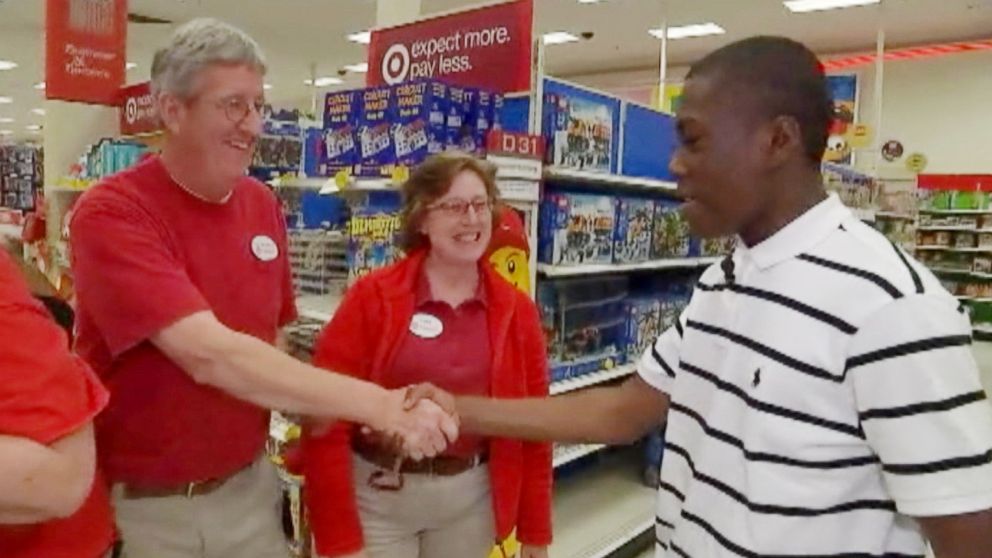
pixel 957 211
pixel 603 179
pixel 565 454
pixel 587 380
pixel 579 270
pixel 894 215
pixel 599 510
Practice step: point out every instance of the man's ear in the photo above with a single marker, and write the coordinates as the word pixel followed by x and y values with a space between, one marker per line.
pixel 170 109
pixel 783 140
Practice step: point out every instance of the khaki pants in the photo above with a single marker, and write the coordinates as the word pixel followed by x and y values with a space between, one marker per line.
pixel 431 517
pixel 241 519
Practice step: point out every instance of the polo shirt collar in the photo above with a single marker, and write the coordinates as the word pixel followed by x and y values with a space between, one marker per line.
pixel 804 232
pixel 423 294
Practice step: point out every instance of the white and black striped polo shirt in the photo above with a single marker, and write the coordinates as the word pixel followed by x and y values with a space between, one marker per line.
pixel 818 401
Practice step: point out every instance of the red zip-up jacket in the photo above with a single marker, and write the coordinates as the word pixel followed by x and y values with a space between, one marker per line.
pixel 362 341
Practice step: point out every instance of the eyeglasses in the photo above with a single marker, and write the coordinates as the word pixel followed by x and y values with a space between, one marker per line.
pixel 237 108
pixel 457 208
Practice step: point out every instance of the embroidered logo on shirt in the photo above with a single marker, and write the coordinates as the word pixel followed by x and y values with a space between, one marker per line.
pixel 757 378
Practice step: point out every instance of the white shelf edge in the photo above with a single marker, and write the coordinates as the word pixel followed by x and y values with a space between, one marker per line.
pixel 974 299
pixel 895 215
pixel 957 211
pixel 607 179
pixel 598 269
pixel 982 328
pixel 625 538
pixel 578 452
pixel 594 378
pixel 978 250
pixel 973 274
pixel 949 228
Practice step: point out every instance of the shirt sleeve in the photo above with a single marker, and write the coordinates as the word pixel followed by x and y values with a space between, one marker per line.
pixel 127 276
pixel 46 392
pixel 922 406
pixel 288 312
pixel 659 364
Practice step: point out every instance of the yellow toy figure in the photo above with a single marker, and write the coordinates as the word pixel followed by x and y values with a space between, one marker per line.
pixel 508 252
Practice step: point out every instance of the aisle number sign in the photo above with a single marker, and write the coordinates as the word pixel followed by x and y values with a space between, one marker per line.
pixel 487 46
pixel 85 43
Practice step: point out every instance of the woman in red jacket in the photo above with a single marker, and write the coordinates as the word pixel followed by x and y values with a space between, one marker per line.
pixel 441 315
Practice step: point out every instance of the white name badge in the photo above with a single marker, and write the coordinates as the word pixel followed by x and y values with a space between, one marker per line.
pixel 426 326
pixel 264 248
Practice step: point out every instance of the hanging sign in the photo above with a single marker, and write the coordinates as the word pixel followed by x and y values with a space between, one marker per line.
pixel 137 110
pixel 85 43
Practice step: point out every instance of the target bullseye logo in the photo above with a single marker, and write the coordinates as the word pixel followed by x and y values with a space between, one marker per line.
pixel 131 110
pixel 395 64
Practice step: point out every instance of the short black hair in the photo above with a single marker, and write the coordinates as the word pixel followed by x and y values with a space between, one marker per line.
pixel 781 77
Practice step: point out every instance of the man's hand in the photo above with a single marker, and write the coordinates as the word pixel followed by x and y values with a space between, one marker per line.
pixel 528 551
pixel 428 391
pixel 425 428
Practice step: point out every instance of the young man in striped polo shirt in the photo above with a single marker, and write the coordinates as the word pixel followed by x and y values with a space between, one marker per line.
pixel 820 391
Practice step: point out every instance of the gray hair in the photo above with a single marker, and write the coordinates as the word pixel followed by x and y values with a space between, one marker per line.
pixel 196 45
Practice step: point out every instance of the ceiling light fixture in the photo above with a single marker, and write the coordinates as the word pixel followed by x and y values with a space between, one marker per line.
pixel 690 31
pixel 33 128
pixel 267 86
pixel 589 1
pixel 39 111
pixel 130 66
pixel 358 68
pixel 40 86
pixel 6 120
pixel 361 37
pixel 7 65
pixel 323 81
pixel 6 132
pixel 559 38
pixel 6 100
pixel 803 6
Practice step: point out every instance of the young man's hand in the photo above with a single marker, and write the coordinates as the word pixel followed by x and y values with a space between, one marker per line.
pixel 423 426
pixel 443 399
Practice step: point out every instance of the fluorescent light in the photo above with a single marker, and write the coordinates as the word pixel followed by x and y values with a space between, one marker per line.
pixel 267 86
pixel 40 86
pixel 690 31
pixel 6 132
pixel 589 1
pixel 323 81
pixel 361 37
pixel 130 66
pixel 33 128
pixel 6 100
pixel 800 6
pixel 7 65
pixel 6 120
pixel 559 37
pixel 358 68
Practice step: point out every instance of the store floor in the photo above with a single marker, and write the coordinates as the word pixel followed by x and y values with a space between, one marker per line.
pixel 983 354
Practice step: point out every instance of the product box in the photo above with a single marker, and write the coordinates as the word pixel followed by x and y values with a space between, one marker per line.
pixel 375 137
pixel 579 133
pixel 421 113
pixel 342 112
pixel 634 228
pixel 576 229
pixel 671 232
pixel 461 129
pixel 496 123
pixel 372 238
pixel 713 247
pixel 642 325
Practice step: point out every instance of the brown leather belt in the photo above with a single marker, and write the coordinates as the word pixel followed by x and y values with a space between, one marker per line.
pixel 188 490
pixel 442 465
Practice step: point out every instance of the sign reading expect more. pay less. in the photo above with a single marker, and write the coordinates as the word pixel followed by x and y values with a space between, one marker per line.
pixel 487 47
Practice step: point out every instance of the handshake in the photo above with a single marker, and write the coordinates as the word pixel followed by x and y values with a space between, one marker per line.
pixel 420 421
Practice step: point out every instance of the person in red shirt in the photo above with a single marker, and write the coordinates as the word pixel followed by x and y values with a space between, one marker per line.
pixel 52 502
pixel 441 315
pixel 183 283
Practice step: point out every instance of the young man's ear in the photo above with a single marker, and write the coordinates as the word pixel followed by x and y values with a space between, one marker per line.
pixel 784 140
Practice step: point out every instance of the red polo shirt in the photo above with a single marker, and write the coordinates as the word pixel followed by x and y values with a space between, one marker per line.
pixel 145 253
pixel 448 347
pixel 46 393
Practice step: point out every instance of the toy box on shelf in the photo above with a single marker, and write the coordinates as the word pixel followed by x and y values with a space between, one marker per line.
pixel 21 168
pixel 576 229
pixel 372 235
pixel 855 189
pixel 634 229
pixel 319 261
pixel 280 147
pixel 583 321
pixel 581 127
pixel 671 232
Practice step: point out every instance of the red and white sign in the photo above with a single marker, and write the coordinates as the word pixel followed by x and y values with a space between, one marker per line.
pixel 137 110
pixel 487 47
pixel 85 43
pixel 514 144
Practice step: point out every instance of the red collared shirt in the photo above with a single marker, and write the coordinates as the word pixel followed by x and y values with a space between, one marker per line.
pixel 448 347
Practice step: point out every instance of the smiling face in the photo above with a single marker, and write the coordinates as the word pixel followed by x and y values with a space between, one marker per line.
pixel 218 126
pixel 459 224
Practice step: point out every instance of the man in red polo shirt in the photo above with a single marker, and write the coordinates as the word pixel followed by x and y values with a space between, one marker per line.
pixel 183 283
pixel 51 504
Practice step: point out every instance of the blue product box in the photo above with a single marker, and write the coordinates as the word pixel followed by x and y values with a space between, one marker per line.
pixel 372 237
pixel 671 232
pixel 576 229
pixel 342 111
pixel 642 325
pixel 314 153
pixel 421 117
pixel 482 116
pixel 457 125
pixel 375 138
pixel 634 230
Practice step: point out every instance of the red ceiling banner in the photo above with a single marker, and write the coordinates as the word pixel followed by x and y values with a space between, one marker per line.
pixel 909 53
pixel 85 42
pixel 487 47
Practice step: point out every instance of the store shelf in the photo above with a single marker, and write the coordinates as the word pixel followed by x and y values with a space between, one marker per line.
pixel 578 270
pixel 980 250
pixel 950 228
pixel 600 510
pixel 318 307
pixel 864 214
pixel 980 300
pixel 605 179
pixel 957 211
pixel 985 329
pixel 894 216
pixel 969 273
pixel 14 231
pixel 568 454
pixel 586 380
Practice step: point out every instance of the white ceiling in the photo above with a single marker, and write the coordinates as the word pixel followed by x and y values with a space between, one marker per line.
pixel 297 34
